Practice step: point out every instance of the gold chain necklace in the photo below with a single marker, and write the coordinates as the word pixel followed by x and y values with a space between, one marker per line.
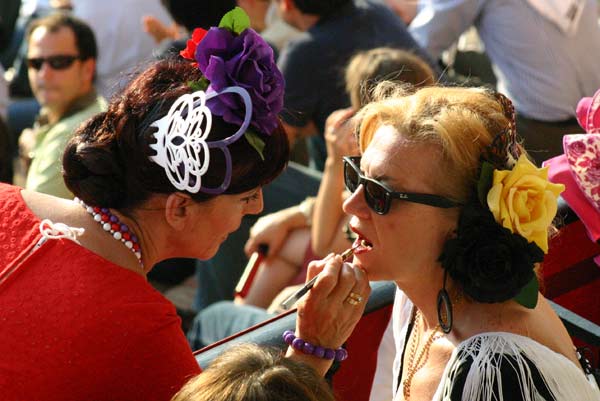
pixel 415 365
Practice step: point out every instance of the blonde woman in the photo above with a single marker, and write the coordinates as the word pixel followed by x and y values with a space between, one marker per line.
pixel 446 204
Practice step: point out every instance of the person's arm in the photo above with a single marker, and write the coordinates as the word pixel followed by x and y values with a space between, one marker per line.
pixel 439 23
pixel 273 229
pixel 278 271
pixel 159 31
pixel 405 9
pixel 324 317
pixel 327 211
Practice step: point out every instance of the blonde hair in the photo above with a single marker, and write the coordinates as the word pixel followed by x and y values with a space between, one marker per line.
pixel 367 68
pixel 248 372
pixel 460 122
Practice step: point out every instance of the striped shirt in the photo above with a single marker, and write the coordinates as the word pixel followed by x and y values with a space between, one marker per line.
pixel 542 70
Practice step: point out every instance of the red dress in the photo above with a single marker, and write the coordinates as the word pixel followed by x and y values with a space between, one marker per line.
pixel 74 326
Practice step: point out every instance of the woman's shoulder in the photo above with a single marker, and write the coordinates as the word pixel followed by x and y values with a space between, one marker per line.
pixel 10 196
pixel 18 225
pixel 508 366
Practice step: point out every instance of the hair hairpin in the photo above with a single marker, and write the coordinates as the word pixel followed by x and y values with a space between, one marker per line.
pixel 236 63
pixel 181 146
pixel 504 151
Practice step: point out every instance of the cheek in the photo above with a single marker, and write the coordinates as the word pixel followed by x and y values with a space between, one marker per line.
pixel 31 74
pixel 415 235
pixel 230 221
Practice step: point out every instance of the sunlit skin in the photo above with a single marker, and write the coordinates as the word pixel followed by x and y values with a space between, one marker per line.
pixel 223 215
pixel 257 11
pixel 191 229
pixel 57 89
pixel 408 239
pixel 167 226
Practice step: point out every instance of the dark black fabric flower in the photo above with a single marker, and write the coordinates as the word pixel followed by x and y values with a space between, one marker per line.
pixel 491 263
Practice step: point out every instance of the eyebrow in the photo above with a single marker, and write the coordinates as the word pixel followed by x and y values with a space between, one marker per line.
pixel 385 178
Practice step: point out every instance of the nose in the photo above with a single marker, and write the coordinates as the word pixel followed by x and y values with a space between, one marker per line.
pixel 356 205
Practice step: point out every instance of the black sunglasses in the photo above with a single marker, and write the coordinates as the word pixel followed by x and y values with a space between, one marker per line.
pixel 379 197
pixel 58 62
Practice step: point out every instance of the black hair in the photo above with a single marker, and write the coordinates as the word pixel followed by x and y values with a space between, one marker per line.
pixel 107 163
pixel 321 8
pixel 193 13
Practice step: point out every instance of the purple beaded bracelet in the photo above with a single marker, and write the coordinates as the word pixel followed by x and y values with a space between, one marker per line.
pixel 310 349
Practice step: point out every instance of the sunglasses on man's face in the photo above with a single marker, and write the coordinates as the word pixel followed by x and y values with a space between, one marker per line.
pixel 58 62
pixel 379 197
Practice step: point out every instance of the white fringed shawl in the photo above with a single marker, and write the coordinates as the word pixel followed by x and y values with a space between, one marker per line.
pixel 564 380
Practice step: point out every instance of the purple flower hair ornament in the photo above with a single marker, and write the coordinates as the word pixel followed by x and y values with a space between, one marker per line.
pixel 241 84
pixel 235 55
pixel 244 60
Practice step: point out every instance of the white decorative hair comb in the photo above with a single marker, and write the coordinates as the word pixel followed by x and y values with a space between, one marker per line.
pixel 181 144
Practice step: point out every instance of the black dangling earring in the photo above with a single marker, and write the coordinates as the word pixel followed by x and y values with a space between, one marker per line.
pixel 444 306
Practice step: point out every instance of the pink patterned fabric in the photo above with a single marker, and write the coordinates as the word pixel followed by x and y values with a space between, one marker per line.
pixel 588 113
pixel 559 171
pixel 583 155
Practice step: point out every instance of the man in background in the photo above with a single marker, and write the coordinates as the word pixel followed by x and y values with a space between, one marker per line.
pixel 545 56
pixel 123 46
pixel 61 62
pixel 313 64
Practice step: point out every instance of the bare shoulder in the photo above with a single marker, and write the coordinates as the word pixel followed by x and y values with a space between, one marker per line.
pixel 540 324
pixel 548 330
pixel 72 214
pixel 55 209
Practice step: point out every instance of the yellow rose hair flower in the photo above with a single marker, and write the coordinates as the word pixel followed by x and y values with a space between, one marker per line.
pixel 524 201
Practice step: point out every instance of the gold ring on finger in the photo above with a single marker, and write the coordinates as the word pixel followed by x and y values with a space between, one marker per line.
pixel 354 298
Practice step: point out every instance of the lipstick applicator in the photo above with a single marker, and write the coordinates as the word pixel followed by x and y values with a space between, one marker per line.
pixel 287 304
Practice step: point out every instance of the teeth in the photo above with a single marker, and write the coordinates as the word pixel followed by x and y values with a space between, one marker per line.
pixel 365 244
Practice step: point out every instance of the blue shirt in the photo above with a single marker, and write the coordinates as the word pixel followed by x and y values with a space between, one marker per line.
pixel 543 71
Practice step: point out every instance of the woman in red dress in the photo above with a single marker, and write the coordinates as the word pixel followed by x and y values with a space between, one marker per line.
pixel 169 170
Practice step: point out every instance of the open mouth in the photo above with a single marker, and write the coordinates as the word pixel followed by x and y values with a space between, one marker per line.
pixel 361 244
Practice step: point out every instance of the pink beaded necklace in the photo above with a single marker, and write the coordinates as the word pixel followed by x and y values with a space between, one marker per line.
pixel 119 231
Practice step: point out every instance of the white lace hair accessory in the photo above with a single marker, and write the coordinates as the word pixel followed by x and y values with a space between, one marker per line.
pixel 181 146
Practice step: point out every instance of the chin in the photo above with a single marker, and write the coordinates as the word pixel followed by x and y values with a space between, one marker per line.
pixel 373 269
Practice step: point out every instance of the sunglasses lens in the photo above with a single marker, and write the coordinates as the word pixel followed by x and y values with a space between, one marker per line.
pixel 60 62
pixel 376 196
pixel 350 177
pixel 35 63
pixel 56 62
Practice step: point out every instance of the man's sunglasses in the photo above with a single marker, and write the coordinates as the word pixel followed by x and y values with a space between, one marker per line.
pixel 59 62
pixel 379 197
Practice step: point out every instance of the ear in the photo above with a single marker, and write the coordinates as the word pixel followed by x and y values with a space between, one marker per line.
pixel 288 5
pixel 89 67
pixel 176 210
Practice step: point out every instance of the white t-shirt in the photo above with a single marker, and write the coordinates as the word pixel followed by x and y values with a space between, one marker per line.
pixel 123 45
